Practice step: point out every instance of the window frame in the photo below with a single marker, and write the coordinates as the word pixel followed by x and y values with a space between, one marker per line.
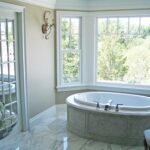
pixel 128 34
pixel 59 16
pixel 118 87
pixel 79 50
pixel 89 52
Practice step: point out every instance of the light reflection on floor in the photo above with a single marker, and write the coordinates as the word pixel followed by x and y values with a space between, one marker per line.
pixel 65 143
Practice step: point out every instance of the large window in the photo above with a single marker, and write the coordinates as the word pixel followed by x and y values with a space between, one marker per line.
pixel 70 50
pixel 123 45
pixel 99 50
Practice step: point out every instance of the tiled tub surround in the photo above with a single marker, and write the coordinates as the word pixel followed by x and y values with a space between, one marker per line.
pixel 48 132
pixel 123 127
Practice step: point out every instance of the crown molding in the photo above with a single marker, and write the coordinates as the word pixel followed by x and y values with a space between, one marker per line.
pixel 91 5
pixel 118 4
pixel 98 5
pixel 43 3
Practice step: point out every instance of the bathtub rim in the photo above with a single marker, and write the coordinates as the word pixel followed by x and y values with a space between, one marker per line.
pixel 71 101
pixel 122 107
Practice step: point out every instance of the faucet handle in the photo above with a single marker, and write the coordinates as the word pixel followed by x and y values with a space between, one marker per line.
pixel 97 104
pixel 117 107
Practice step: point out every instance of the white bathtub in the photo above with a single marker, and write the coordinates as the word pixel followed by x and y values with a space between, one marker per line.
pixel 129 102
pixel 125 126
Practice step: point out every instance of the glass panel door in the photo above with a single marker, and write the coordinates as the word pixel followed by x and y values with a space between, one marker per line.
pixel 8 90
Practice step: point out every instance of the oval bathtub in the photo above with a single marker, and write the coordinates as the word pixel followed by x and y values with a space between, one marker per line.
pixel 120 125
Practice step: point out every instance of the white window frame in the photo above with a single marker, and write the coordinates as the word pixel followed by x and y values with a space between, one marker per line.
pixel 89 52
pixel 61 14
pixel 116 87
pixel 78 50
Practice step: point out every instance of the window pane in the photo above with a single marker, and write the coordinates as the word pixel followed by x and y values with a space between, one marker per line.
pixel 70 44
pixel 123 25
pixel 74 42
pixel 5 72
pixel 13 92
pixel 11 51
pixel 111 59
pixel 122 57
pixel 102 25
pixel 3 30
pixel 65 42
pixel 134 25
pixel 112 25
pixel 145 26
pixel 138 56
pixel 65 26
pixel 10 31
pixel 0 73
pixel 71 67
pixel 70 33
pixel 65 33
pixel 4 51
pixel 75 26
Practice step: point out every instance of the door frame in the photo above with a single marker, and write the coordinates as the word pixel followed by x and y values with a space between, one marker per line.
pixel 23 109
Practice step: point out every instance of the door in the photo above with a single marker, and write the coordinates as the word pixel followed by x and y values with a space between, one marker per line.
pixel 9 94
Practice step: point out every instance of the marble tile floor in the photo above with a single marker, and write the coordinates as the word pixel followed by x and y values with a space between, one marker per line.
pixel 48 132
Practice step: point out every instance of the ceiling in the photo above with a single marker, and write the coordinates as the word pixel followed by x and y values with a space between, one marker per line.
pixel 91 4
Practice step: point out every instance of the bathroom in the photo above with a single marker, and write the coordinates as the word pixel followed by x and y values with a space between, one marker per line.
pixel 46 89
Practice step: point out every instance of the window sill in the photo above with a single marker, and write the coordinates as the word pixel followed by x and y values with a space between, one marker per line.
pixel 71 87
pixel 131 89
pixel 142 90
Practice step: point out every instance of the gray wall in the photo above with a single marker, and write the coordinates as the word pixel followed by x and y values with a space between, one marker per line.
pixel 40 60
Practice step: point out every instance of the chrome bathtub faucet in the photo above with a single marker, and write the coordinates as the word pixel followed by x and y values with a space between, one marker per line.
pixel 117 107
pixel 97 104
pixel 108 105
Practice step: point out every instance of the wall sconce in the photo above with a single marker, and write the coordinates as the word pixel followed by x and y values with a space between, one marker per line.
pixel 46 27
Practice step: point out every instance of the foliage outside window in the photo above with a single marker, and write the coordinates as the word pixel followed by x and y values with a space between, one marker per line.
pixel 123 50
pixel 70 49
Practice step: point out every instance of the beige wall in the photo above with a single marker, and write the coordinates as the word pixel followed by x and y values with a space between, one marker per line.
pixel 61 96
pixel 40 60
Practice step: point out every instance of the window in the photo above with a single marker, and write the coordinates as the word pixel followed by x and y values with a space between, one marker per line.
pixel 123 50
pixel 104 51
pixel 70 48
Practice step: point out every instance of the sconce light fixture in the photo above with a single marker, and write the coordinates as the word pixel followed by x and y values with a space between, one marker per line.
pixel 46 27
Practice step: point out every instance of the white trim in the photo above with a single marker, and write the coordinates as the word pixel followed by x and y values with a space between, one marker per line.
pixel 121 13
pixel 58 47
pixel 72 87
pixel 94 5
pixel 10 14
pixel 117 4
pixel 22 71
pixel 44 3
pixel 59 15
pixel 11 7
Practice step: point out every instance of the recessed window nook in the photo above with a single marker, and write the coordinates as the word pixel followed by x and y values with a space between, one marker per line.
pixel 91 43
